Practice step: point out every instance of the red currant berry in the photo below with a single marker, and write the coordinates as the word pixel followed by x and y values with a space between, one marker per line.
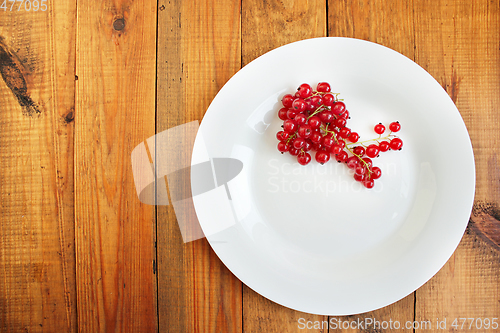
pixel 304 90
pixel 354 137
pixel 289 126
pixel 316 137
pixel 283 147
pixel 317 101
pixel 326 117
pixel 367 161
pixel 327 141
pixel 396 144
pixel 368 183
pixel 299 105
pixel 328 99
pixel 352 162
pixel 359 151
pixel 345 132
pixel 293 151
pixel 332 127
pixel 282 113
pixel 300 119
pixel 341 143
pixel 372 151
pixel 308 145
pixel 322 156
pixel 317 146
pixel 360 170
pixel 309 105
pixel 287 100
pixel 376 173
pixel 324 87
pixel 340 122
pixel 342 156
pixel 383 146
pixel 291 113
pixel 335 149
pixel 359 178
pixel 282 135
pixel 298 143
pixel 395 126
pixel 338 107
pixel 345 114
pixel 379 128
pixel 314 122
pixel 303 158
pixel 305 131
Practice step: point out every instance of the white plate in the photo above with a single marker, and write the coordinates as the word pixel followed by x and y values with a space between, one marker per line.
pixel 311 238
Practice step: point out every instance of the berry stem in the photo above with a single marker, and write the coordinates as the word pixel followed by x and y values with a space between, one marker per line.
pixel 372 140
pixel 318 110
pixel 367 167
pixel 291 137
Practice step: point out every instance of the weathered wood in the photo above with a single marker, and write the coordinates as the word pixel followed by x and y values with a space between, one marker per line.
pixel 64 161
pixel 466 287
pixel 267 25
pixel 386 22
pixel 198 51
pixel 485 222
pixel 457 43
pixel 37 255
pixel 115 111
pixel 392 318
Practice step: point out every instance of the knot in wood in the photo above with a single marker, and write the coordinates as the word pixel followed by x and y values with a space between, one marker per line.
pixel 119 24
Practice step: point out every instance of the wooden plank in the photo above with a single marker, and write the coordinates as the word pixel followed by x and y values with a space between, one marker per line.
pixel 198 51
pixel 466 287
pixel 267 25
pixel 396 317
pixel 389 23
pixel 37 256
pixel 457 43
pixel 386 22
pixel 115 111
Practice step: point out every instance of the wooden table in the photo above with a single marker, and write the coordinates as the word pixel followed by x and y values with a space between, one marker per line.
pixel 84 82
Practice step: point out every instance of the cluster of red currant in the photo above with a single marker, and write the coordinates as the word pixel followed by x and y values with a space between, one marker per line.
pixel 315 120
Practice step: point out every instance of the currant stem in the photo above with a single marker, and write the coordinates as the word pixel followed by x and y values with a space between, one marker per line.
pixel 318 110
pixel 371 140
pixel 328 132
pixel 323 93
pixel 362 160
pixel 292 137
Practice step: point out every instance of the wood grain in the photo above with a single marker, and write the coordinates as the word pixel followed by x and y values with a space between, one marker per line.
pixel 77 248
pixel 392 318
pixel 37 255
pixel 386 22
pixel 115 111
pixel 466 287
pixel 198 51
pixel 267 25
pixel 457 43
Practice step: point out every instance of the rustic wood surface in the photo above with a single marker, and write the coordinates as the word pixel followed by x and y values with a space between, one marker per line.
pixel 84 82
